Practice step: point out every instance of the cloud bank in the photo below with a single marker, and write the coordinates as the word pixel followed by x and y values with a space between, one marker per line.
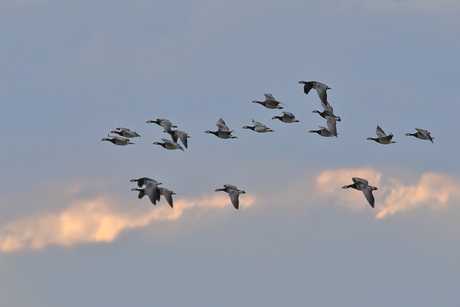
pixel 432 190
pixel 97 220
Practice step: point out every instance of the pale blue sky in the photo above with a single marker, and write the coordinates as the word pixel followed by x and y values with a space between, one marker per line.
pixel 73 234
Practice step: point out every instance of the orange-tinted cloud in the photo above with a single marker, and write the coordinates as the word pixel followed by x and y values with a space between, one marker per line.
pixel 433 190
pixel 98 220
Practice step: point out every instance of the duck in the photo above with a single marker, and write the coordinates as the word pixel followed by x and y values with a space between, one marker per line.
pixel 168 195
pixel 323 131
pixel 179 134
pixel 363 185
pixel 166 124
pixel 223 131
pixel 117 140
pixel 151 190
pixel 287 117
pixel 168 144
pixel 327 111
pixel 258 127
pixel 320 88
pixel 270 102
pixel 422 134
pixel 233 192
pixel 382 137
pixel 125 132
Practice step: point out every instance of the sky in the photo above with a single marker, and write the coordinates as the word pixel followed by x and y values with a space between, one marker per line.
pixel 72 233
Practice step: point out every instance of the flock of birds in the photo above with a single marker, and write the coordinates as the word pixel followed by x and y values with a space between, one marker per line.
pixel 154 192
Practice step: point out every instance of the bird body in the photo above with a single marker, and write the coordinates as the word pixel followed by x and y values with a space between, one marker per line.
pixel 323 131
pixel 287 117
pixel 151 190
pixel 125 132
pixel 233 192
pixel 223 131
pixel 117 140
pixel 270 102
pixel 168 144
pixel 258 127
pixel 382 137
pixel 422 134
pixel 166 124
pixel 363 185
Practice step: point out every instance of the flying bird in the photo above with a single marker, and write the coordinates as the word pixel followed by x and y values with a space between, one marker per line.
pixel 117 140
pixel 363 185
pixel 168 144
pixel 422 134
pixel 270 102
pixel 327 111
pixel 223 131
pixel 125 132
pixel 320 88
pixel 287 117
pixel 143 180
pixel 179 134
pixel 166 124
pixel 151 190
pixel 382 137
pixel 323 131
pixel 258 127
pixel 233 192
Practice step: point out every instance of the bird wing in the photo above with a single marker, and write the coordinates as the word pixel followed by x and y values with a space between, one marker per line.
pixel 221 125
pixel 425 133
pixel 359 180
pixel 256 123
pixel 321 90
pixel 327 107
pixel 332 125
pixel 288 114
pixel 367 190
pixel 233 193
pixel 380 133
pixel 152 191
pixel 307 86
pixel 183 137
pixel 168 195
pixel 121 128
pixel 269 96
pixel 172 143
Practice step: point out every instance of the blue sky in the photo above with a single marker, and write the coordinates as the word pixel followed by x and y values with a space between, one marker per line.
pixel 71 231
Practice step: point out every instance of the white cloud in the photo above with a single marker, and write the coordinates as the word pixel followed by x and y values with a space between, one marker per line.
pixel 432 190
pixel 98 220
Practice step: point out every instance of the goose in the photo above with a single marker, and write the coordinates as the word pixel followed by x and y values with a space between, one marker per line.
pixel 382 137
pixel 327 111
pixel 422 134
pixel 222 130
pixel 270 102
pixel 323 131
pixel 179 134
pixel 143 180
pixel 125 132
pixel 117 140
pixel 168 144
pixel 166 124
pixel 233 192
pixel 362 185
pixel 168 195
pixel 151 190
pixel 287 117
pixel 258 127
pixel 320 88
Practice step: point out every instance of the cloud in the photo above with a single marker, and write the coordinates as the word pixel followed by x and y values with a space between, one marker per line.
pixel 97 220
pixel 432 190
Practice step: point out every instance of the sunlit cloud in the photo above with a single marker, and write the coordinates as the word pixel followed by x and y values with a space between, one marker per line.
pixel 432 190
pixel 98 220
